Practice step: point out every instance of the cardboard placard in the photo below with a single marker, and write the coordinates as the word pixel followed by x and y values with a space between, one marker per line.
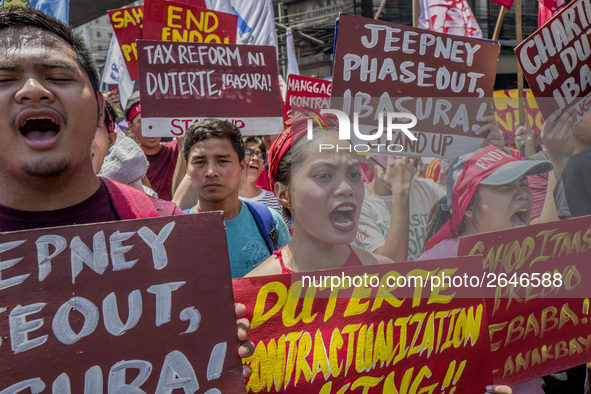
pixel 174 21
pixel 127 305
pixel 181 83
pixel 445 81
pixel 370 339
pixel 507 113
pixel 555 60
pixel 539 316
pixel 127 26
pixel 306 93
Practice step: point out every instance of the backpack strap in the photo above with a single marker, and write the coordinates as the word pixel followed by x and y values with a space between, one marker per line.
pixel 129 202
pixel 264 220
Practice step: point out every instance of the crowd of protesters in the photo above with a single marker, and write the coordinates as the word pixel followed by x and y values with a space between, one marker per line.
pixel 287 207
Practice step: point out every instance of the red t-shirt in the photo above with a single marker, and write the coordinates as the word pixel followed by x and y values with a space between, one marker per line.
pixel 161 169
pixel 96 208
pixel 263 181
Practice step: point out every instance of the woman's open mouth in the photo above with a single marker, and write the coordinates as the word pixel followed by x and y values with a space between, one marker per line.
pixel 520 218
pixel 343 217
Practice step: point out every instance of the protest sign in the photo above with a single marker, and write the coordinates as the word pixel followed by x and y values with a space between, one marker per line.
pixel 539 316
pixel 444 81
pixel 128 306
pixel 555 60
pixel 181 83
pixel 306 93
pixel 127 26
pixel 390 332
pixel 507 113
pixel 178 22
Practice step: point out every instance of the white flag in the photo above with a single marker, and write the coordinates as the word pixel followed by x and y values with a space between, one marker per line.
pixel 453 17
pixel 292 59
pixel 256 21
pixel 116 72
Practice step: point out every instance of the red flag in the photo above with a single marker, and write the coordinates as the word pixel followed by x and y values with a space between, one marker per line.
pixel 547 9
pixel 505 3
pixel 452 17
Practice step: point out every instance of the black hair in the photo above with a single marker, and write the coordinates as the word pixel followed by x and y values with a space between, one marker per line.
pixel 14 17
pixel 110 120
pixel 213 128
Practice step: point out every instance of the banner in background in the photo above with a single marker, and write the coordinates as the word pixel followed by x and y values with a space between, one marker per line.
pixel 306 93
pixel 445 81
pixel 507 113
pixel 181 83
pixel 127 26
pixel 177 22
pixel 555 61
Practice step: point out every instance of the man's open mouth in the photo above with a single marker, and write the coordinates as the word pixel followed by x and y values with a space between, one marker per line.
pixel 40 128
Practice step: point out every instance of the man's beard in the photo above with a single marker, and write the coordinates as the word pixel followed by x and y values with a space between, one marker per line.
pixel 46 169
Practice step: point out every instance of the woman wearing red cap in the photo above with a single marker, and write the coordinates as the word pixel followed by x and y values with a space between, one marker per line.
pixel 323 191
pixel 487 190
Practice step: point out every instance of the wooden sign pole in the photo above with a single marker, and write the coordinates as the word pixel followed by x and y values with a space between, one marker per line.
pixel 518 39
pixel 376 17
pixel 497 31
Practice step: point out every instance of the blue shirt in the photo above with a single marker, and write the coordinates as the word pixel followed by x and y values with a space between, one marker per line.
pixel 246 246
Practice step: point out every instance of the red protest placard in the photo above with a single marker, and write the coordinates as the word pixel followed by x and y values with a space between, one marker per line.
pixel 119 307
pixel 306 93
pixel 178 22
pixel 444 81
pixel 181 83
pixel 195 3
pixel 374 339
pixel 127 26
pixel 507 113
pixel 555 61
pixel 539 310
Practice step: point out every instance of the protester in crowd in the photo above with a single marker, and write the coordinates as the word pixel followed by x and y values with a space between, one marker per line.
pixel 384 219
pixel 162 156
pixel 498 197
pixel 483 198
pixel 104 138
pixel 396 226
pixel 472 214
pixel 113 100
pixel 323 192
pixel 575 178
pixel 214 154
pixel 573 198
pixel 256 156
pixel 52 107
pixel 393 218
pixel 263 179
pixel 118 157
